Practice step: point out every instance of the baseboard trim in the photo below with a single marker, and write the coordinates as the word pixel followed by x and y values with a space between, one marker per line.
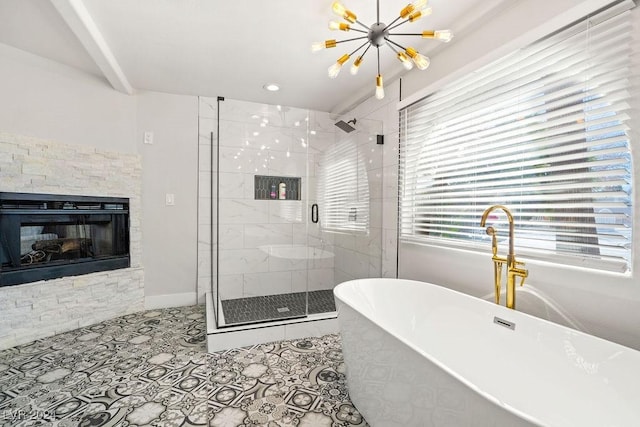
pixel 153 302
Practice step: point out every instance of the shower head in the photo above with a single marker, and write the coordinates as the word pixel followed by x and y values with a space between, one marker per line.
pixel 345 126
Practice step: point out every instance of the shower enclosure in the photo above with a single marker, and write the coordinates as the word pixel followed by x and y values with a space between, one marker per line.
pixel 295 208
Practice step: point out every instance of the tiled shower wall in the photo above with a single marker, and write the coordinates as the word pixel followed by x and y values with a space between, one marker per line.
pixel 36 310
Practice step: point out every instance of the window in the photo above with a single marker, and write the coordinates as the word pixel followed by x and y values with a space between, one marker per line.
pixel 344 189
pixel 543 131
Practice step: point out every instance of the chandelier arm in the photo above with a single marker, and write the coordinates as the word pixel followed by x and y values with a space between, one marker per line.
pixel 350 40
pixel 405 34
pixel 356 29
pixel 361 46
pixel 396 44
pixel 365 51
pixel 388 27
pixel 378 49
pixel 377 12
pixel 361 24
pixel 391 47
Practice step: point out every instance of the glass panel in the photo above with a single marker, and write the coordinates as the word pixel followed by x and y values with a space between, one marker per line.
pixel 68 238
pixel 348 236
pixel 261 232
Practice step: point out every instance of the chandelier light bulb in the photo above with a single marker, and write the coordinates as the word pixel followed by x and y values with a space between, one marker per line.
pixel 342 26
pixel 421 61
pixel 334 70
pixel 417 5
pixel 339 9
pixel 442 35
pixel 406 62
pixel 355 67
pixel 379 87
pixel 420 14
pixel 327 44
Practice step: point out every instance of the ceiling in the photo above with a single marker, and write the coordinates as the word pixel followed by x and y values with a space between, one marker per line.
pixel 216 48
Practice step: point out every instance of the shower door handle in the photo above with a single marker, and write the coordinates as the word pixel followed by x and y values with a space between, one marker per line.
pixel 314 213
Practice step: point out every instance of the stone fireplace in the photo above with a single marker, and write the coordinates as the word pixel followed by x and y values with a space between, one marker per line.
pixel 51 305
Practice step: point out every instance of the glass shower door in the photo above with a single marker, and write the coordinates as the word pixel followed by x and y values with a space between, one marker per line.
pixel 262 183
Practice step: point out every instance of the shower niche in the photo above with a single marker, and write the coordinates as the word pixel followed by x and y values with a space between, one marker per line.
pixel 277 187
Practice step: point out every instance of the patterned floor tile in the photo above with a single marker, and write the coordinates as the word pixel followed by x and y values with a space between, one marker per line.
pixel 152 369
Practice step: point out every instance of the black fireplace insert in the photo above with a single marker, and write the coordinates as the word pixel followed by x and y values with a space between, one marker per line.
pixel 46 236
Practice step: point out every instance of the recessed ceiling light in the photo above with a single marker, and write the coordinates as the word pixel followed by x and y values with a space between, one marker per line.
pixel 271 87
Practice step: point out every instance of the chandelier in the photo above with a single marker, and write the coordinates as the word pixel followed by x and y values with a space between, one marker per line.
pixel 379 34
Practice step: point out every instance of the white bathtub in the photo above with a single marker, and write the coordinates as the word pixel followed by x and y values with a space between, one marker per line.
pixel 418 354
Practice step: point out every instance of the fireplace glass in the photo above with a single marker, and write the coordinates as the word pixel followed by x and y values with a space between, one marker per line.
pixel 49 236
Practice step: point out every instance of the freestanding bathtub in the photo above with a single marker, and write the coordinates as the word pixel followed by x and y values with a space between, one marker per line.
pixel 418 354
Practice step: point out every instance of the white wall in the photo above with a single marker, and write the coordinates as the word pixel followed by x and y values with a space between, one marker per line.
pixel 44 99
pixel 489 39
pixel 602 304
pixel 169 165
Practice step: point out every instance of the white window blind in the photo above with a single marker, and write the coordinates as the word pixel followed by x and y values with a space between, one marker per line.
pixel 543 131
pixel 343 189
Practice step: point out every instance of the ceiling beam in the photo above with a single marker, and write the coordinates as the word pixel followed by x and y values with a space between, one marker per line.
pixel 76 16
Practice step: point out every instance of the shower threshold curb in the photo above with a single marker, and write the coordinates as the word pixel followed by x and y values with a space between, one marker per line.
pixel 262 333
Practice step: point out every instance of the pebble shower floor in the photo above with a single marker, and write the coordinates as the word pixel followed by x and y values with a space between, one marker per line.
pixel 152 369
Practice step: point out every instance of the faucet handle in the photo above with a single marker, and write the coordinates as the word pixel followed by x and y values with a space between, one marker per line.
pixel 523 277
pixel 523 273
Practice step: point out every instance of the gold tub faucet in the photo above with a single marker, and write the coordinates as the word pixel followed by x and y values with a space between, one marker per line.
pixel 512 264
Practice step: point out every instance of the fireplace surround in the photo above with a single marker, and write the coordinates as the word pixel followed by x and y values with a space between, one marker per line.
pixel 47 236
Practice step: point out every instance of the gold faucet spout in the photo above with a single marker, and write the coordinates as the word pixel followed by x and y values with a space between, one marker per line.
pixel 483 221
pixel 512 264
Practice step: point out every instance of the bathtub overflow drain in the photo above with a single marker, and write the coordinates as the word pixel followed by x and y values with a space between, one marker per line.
pixel 504 323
